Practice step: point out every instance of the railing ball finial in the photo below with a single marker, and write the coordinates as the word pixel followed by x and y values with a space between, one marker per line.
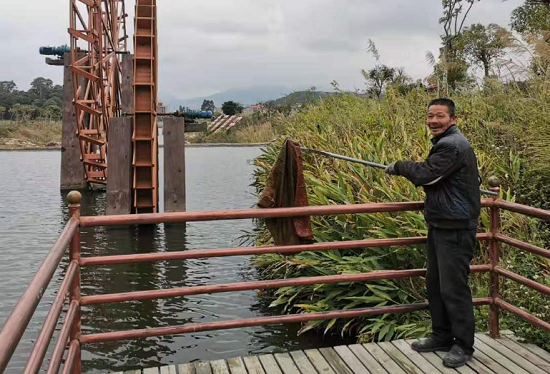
pixel 74 197
pixel 494 182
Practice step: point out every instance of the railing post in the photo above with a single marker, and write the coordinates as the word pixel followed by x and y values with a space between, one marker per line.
pixel 494 257
pixel 74 198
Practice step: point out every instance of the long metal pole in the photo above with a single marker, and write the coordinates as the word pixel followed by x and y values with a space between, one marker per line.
pixel 367 163
pixel 15 325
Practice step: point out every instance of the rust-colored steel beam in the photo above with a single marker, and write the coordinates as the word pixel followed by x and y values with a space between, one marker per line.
pixel 225 252
pixel 145 136
pixel 141 219
pixel 523 314
pixel 98 38
pixel 247 251
pixel 494 257
pixel 250 322
pixel 43 341
pixel 17 322
pixel 523 280
pixel 260 285
pixel 72 357
pixel 522 245
pixel 59 349
pixel 524 209
pixel 147 219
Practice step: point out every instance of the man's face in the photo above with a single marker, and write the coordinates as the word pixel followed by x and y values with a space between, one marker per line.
pixel 439 119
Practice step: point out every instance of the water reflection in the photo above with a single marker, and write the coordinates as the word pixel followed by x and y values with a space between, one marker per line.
pixel 217 179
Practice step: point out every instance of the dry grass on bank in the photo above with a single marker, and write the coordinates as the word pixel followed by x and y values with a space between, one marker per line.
pixel 29 134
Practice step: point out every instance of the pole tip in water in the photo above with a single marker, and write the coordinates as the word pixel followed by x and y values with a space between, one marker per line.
pixel 74 197
pixel 494 182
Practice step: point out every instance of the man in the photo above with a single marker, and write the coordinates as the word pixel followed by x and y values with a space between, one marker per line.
pixel 451 181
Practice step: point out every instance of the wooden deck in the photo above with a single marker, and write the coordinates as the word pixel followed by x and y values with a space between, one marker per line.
pixel 501 356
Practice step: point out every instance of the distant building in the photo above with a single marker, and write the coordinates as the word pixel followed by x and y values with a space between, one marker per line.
pixel 161 109
pixel 253 109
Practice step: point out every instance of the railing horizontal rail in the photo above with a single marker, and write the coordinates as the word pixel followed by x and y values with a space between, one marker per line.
pixel 522 245
pixel 524 209
pixel 153 218
pixel 44 339
pixel 523 280
pixel 57 354
pixel 258 285
pixel 288 249
pixel 292 318
pixel 17 322
pixel 71 356
pixel 523 314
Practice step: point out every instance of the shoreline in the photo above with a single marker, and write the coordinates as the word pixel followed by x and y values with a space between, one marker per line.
pixel 190 145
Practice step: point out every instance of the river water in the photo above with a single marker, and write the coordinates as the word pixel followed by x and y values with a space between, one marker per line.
pixel 33 212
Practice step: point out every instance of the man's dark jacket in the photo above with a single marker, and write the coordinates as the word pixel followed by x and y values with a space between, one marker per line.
pixel 450 179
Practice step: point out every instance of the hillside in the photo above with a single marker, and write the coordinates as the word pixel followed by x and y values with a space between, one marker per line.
pixel 244 95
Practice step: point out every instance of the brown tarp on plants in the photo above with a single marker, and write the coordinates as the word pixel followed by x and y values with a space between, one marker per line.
pixel 286 188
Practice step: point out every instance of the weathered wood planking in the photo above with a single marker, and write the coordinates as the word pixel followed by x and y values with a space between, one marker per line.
pixel 492 356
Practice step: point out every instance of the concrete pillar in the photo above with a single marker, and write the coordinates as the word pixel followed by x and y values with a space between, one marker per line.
pixel 174 164
pixel 119 180
pixel 72 170
pixel 127 85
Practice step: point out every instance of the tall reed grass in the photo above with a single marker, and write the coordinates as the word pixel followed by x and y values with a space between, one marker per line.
pixel 509 129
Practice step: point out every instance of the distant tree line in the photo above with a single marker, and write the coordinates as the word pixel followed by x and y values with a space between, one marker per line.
pixel 43 100
pixel 466 48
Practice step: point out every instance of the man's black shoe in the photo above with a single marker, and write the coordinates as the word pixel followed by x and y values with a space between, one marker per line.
pixel 431 344
pixel 456 357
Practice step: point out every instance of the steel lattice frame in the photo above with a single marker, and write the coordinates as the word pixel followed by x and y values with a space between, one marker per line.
pixel 145 137
pixel 98 37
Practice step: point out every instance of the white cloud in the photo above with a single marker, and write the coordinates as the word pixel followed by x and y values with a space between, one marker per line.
pixel 208 46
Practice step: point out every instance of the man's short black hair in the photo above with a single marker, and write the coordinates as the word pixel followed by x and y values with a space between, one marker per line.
pixel 445 102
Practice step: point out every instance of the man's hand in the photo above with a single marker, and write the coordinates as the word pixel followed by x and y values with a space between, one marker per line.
pixel 391 169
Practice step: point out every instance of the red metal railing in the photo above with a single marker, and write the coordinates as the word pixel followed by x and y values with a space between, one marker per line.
pixel 70 237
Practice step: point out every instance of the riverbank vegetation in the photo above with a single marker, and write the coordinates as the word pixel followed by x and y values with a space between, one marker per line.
pixel 30 134
pixel 505 116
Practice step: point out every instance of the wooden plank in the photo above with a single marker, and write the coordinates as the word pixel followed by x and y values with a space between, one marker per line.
pixel 319 361
pixel 382 357
pixel 269 364
pixel 236 366
pixel 186 369
pixel 351 360
pixel 487 361
pixel 474 364
pixel 219 367
pixel 532 348
pixel 524 352
pixel 253 365
pixel 127 87
pixel 513 356
pixel 421 362
pixel 504 361
pixel 303 363
pixel 202 368
pixel 400 358
pixel 285 362
pixel 366 359
pixel 335 361
pixel 170 369
pixel 437 361
pixel 119 183
pixel 154 370
pixel 174 165
pixel 133 371
pixel 72 171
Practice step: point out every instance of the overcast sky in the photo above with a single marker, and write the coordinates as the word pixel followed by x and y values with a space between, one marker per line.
pixel 210 46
